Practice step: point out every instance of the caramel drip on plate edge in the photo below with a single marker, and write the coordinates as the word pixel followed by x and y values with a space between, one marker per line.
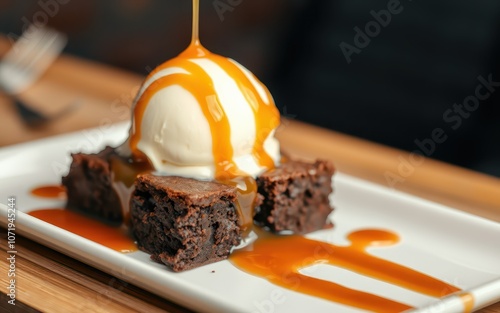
pixel 467 300
pixel 275 258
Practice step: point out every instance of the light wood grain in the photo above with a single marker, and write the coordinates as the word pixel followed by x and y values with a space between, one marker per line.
pixel 52 282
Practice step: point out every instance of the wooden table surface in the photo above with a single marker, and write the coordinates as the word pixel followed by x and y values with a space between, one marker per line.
pixel 50 281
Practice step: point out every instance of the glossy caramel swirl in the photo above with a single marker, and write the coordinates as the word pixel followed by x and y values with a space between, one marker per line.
pixel 279 260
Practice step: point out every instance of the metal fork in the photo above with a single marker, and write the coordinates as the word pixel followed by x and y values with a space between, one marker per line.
pixel 25 62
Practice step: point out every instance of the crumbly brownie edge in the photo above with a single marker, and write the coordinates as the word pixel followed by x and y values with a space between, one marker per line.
pixel 296 197
pixel 171 226
pixel 89 187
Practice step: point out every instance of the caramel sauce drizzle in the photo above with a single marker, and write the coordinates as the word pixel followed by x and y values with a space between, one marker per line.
pixel 266 114
pixel 279 260
pixel 468 301
pixel 201 86
pixel 111 237
pixel 247 191
pixel 123 174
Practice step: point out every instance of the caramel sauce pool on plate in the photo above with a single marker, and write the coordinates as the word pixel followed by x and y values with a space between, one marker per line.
pixel 115 238
pixel 50 191
pixel 279 259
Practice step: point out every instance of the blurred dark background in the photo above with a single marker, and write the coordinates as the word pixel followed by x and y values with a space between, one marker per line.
pixel 396 82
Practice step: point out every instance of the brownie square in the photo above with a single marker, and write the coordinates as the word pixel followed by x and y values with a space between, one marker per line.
pixel 182 222
pixel 89 187
pixel 295 196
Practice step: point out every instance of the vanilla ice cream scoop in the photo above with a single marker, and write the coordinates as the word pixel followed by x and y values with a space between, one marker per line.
pixel 204 116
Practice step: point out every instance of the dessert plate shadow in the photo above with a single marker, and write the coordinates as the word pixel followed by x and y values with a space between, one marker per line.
pixel 450 245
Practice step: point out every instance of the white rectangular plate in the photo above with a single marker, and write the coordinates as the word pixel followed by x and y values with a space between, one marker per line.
pixel 447 244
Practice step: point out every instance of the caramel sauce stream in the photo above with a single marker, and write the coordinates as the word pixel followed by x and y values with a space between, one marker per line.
pixel 123 174
pixel 195 37
pixel 279 259
pixel 111 237
pixel 247 192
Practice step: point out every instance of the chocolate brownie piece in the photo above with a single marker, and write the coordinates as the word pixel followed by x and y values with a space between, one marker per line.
pixel 182 222
pixel 89 186
pixel 295 196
